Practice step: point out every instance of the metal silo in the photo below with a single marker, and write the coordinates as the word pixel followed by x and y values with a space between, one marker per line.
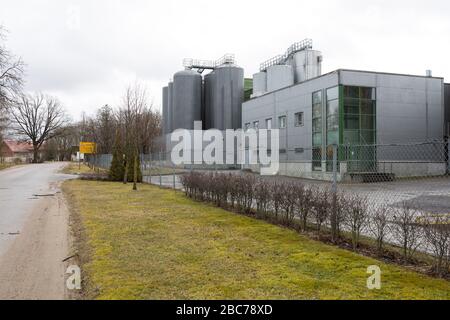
pixel 259 83
pixel 170 125
pixel 307 65
pixel 187 99
pixel 227 97
pixel 279 76
pixel 209 88
pixel 165 110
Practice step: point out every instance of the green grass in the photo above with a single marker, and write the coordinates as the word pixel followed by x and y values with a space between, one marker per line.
pixel 6 165
pixel 157 244
pixel 162 171
pixel 78 169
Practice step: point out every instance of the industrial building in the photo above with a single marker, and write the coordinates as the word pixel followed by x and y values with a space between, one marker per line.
pixel 359 111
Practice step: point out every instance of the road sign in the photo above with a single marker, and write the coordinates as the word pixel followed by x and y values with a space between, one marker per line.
pixel 88 147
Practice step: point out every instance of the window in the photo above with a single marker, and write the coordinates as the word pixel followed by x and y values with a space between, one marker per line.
pixel 247 126
pixel 269 124
pixel 299 150
pixel 256 125
pixel 359 115
pixel 282 122
pixel 299 119
pixel 317 118
pixel 359 132
pixel 333 116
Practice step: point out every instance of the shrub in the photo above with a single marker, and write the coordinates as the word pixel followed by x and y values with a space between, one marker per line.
pixel 321 208
pixel 437 236
pixel 355 217
pixel 406 230
pixel 378 225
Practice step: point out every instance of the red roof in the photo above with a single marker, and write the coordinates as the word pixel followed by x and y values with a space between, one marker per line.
pixel 18 146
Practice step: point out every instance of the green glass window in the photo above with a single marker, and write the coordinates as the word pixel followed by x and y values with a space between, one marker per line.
pixel 359 115
pixel 333 116
pixel 359 128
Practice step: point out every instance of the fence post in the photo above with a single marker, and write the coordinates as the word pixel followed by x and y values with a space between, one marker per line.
pixel 335 168
pixel 160 173
pixel 334 209
pixel 173 171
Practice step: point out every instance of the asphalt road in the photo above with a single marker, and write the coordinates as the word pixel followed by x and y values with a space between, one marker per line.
pixel 33 232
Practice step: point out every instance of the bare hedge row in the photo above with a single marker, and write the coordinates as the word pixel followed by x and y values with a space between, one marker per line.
pixel 304 207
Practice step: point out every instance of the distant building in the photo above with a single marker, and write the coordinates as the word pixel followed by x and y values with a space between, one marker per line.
pixel 16 151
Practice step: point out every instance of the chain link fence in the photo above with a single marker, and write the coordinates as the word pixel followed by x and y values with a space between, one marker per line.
pixel 416 174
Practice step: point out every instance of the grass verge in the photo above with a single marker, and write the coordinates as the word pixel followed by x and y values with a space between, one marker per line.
pixel 6 165
pixel 157 244
pixel 79 169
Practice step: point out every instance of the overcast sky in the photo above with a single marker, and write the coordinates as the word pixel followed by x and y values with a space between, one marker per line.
pixel 87 51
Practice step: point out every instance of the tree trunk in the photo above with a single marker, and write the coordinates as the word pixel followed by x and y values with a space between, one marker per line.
pixel 125 176
pixel 135 173
pixel 35 154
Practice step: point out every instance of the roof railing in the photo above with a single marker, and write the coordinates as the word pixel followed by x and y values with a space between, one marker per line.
pixel 306 44
pixel 189 63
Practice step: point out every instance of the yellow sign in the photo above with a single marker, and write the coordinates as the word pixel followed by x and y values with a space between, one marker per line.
pixel 88 147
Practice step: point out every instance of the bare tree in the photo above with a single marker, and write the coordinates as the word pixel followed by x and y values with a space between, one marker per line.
pixel 135 101
pixel 406 230
pixel 60 147
pixel 11 81
pixel 104 129
pixel 11 73
pixel 38 117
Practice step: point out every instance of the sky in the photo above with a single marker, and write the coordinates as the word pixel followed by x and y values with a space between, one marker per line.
pixel 86 52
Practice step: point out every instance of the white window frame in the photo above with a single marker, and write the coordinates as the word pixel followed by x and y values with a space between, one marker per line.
pixel 296 118
pixel 280 126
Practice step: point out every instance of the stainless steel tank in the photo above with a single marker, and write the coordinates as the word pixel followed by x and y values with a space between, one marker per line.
pixel 209 87
pixel 279 76
pixel 165 110
pixel 187 99
pixel 227 95
pixel 307 65
pixel 259 83
pixel 170 125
